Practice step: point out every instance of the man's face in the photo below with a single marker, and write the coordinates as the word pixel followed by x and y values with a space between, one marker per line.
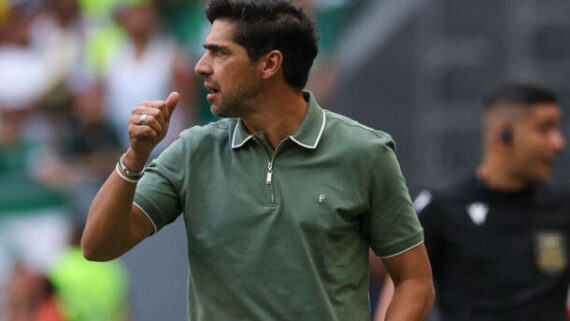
pixel 234 81
pixel 536 142
pixel 139 21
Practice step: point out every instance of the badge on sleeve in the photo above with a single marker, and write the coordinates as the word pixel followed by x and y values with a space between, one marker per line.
pixel 550 251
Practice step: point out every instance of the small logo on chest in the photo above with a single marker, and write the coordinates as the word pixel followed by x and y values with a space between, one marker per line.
pixel 321 197
pixel 478 212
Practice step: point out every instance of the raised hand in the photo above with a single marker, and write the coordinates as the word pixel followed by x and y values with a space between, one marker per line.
pixel 148 124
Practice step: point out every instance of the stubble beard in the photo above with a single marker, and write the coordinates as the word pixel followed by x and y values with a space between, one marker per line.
pixel 236 106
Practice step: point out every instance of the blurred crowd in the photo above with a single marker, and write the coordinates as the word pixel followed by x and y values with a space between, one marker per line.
pixel 70 72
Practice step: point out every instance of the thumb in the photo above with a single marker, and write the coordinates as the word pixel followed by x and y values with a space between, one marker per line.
pixel 171 102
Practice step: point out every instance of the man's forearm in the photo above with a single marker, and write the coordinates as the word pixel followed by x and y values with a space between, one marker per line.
pixel 107 229
pixel 412 301
pixel 113 225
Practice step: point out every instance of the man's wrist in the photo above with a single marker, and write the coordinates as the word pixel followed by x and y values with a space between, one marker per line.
pixel 135 163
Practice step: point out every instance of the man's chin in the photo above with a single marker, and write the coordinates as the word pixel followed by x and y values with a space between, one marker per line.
pixel 217 111
pixel 543 174
pixel 546 174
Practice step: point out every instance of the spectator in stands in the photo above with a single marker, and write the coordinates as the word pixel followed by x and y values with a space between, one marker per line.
pixel 33 221
pixel 30 297
pixel 87 145
pixel 331 18
pixel 147 66
pixel 59 33
pixel 89 291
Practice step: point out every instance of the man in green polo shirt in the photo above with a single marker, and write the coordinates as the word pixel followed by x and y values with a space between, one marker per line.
pixel 281 198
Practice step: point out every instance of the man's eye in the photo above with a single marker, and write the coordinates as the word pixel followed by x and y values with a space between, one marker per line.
pixel 218 52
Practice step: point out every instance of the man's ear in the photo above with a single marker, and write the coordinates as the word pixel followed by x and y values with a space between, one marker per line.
pixel 503 134
pixel 271 63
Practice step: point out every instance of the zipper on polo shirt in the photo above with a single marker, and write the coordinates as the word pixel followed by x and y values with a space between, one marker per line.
pixel 268 181
pixel 269 172
pixel 269 177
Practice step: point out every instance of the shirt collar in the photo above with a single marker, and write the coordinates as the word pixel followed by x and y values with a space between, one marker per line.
pixel 307 135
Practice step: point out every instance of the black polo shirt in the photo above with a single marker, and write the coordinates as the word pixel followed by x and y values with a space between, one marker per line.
pixel 498 255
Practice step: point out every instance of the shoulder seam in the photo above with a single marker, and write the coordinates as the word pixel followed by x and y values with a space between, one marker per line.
pixel 359 125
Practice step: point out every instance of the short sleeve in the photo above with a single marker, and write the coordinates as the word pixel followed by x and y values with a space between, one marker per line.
pixel 393 225
pixel 158 193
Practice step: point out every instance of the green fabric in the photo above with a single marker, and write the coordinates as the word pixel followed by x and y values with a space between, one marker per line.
pixel 90 291
pixel 186 19
pixel 331 22
pixel 19 192
pixel 14 158
pixel 296 249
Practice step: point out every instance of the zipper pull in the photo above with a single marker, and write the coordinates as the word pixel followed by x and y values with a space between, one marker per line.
pixel 269 173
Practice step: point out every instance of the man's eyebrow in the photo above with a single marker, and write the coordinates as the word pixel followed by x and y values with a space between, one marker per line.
pixel 211 46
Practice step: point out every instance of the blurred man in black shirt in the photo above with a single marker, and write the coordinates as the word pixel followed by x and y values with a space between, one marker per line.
pixel 498 240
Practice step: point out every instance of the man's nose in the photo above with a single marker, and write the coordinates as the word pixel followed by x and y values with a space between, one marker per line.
pixel 203 67
pixel 558 141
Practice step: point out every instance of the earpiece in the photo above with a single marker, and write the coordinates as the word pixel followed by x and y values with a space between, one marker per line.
pixel 507 135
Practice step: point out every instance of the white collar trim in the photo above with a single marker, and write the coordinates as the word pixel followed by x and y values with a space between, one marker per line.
pixel 318 137
pixel 234 146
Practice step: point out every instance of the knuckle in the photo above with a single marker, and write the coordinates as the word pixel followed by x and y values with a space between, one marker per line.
pixel 135 133
pixel 156 103
pixel 157 124
pixel 149 132
pixel 156 113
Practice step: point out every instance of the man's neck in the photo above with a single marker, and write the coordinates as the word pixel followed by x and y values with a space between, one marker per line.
pixel 141 44
pixel 498 176
pixel 280 114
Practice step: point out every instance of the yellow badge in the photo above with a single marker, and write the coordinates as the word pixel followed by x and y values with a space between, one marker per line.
pixel 550 251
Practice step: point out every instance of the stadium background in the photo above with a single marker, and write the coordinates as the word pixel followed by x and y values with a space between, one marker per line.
pixel 417 69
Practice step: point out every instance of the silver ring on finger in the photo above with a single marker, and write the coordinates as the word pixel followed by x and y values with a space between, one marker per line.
pixel 142 119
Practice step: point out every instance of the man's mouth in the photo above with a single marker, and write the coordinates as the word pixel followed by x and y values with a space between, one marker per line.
pixel 211 87
pixel 214 90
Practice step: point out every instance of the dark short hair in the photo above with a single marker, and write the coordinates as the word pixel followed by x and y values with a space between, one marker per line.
pixel 272 25
pixel 523 95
